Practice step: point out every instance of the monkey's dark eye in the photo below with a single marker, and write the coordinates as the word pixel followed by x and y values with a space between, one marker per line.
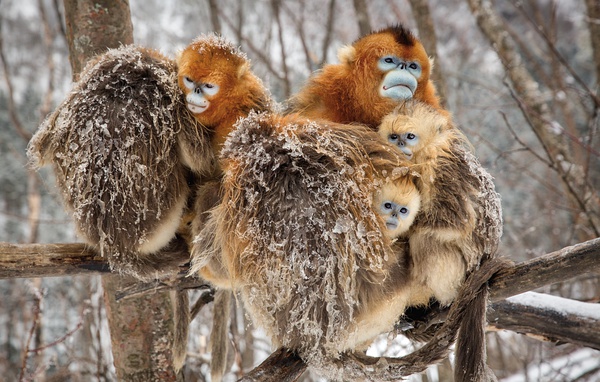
pixel 393 137
pixel 388 60
pixel 387 205
pixel 209 86
pixel 410 136
pixel 413 66
pixel 188 83
pixel 403 210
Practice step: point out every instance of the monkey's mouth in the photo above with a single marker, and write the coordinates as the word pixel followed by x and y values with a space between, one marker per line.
pixel 391 226
pixel 386 88
pixel 196 109
pixel 407 153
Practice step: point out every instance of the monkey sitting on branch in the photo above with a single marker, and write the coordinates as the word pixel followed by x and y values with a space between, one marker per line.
pixel 112 143
pixel 459 224
pixel 297 232
pixel 134 143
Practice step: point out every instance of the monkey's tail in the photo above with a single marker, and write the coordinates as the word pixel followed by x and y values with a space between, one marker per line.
pixel 218 336
pixel 469 303
pixel 181 314
pixel 470 364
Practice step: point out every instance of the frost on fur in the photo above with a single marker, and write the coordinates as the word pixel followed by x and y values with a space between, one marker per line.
pixel 113 146
pixel 288 232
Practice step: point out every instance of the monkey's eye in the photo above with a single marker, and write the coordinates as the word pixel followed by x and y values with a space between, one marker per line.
pixel 187 81
pixel 410 136
pixel 393 138
pixel 210 89
pixel 403 211
pixel 387 63
pixel 413 66
pixel 387 206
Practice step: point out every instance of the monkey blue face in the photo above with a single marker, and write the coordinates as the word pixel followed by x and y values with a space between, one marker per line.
pixel 405 142
pixel 196 98
pixel 397 217
pixel 400 80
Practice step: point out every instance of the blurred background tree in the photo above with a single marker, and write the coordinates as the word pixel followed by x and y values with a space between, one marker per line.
pixel 520 77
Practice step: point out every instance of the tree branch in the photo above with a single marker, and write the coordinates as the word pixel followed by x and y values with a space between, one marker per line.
pixel 564 320
pixel 39 260
pixel 547 269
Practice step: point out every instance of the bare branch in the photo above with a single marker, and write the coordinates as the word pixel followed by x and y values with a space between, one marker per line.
pixel 427 36
pixel 564 319
pixel 283 365
pixel 287 87
pixel 557 266
pixel 44 260
pixel 362 17
pixel 214 16
pixel 256 51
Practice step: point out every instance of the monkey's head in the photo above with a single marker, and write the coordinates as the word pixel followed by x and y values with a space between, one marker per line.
pixel 375 74
pixel 397 203
pixel 418 130
pixel 218 84
pixel 390 66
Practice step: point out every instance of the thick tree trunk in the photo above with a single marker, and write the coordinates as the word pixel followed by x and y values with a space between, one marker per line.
pixel 141 328
pixel 95 26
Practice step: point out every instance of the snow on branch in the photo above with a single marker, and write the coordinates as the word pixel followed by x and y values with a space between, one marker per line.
pixel 565 320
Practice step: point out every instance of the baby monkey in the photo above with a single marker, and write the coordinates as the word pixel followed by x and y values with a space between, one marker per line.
pixel 397 203
pixel 457 228
pixel 460 216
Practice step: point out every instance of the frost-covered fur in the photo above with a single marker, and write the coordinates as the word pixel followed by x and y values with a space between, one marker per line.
pixel 116 147
pixel 296 232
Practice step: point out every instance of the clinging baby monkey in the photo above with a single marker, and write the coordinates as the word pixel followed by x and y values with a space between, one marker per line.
pixel 459 225
pixel 397 202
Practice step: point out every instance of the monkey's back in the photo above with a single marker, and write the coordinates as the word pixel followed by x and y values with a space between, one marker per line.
pixel 297 229
pixel 112 143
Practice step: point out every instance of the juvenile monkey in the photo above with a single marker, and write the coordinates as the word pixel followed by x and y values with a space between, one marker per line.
pixel 458 227
pixel 376 73
pixel 460 217
pixel 398 203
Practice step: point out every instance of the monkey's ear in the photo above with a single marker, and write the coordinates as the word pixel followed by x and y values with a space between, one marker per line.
pixel 347 54
pixel 243 69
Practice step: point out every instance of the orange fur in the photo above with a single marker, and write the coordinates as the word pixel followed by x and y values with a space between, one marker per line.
pixel 348 92
pixel 210 59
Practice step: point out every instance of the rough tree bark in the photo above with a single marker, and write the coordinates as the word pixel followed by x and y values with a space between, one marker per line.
pixel 141 328
pixel 93 27
pixel 362 16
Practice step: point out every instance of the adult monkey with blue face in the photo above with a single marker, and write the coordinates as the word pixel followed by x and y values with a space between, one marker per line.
pixel 375 74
